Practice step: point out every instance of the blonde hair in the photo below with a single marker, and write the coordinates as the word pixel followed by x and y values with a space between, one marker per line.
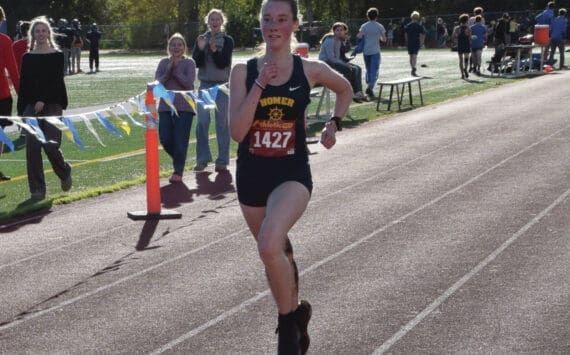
pixel 212 12
pixel 415 16
pixel 2 14
pixel 40 20
pixel 179 36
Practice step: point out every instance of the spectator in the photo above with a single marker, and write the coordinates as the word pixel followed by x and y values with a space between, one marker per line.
pixel 547 16
pixel 93 37
pixel 3 23
pixel 373 32
pixel 269 98
pixel 390 35
pixel 63 37
pixel 500 39
pixel 415 35
pixel 213 56
pixel 76 45
pixel 43 93
pixel 21 46
pixel 7 63
pixel 177 72
pixel 514 30
pixel 441 31
pixel 479 38
pixel 477 11
pixel 558 36
pixel 462 41
pixel 331 52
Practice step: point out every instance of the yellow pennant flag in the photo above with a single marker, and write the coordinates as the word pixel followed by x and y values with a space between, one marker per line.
pixel 190 101
pixel 57 123
pixel 124 125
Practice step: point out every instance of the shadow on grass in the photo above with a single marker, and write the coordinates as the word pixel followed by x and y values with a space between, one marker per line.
pixel 29 212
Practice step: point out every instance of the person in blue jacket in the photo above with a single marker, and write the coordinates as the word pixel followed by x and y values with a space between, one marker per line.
pixel 479 37
pixel 558 36
pixel 547 16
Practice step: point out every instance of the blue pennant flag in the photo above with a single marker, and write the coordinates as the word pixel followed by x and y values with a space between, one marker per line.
pixel 107 124
pixel 160 91
pixel 33 122
pixel 205 95
pixel 67 121
pixel 213 91
pixel 4 139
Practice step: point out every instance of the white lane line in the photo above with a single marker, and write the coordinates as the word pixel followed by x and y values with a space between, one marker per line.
pixel 456 286
pixel 244 304
pixel 360 182
pixel 30 257
pixel 35 314
pixel 331 257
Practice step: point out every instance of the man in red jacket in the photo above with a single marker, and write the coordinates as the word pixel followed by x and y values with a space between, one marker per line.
pixel 7 62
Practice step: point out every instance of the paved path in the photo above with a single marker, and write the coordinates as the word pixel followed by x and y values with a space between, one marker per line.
pixel 441 230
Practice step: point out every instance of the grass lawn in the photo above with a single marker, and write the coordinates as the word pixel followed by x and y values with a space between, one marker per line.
pixel 120 163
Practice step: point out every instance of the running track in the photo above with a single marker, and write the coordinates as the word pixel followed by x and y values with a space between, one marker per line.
pixel 445 229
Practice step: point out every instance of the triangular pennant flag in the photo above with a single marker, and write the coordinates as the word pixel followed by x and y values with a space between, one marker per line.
pixel 190 100
pixel 120 122
pixel 33 122
pixel 92 129
pixel 207 99
pixel 4 139
pixel 19 121
pixel 142 105
pixel 225 89
pixel 136 123
pixel 56 122
pixel 75 137
pixel 107 124
pixel 159 91
pixel 213 91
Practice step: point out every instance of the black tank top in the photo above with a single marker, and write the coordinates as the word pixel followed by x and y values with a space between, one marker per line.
pixel 280 112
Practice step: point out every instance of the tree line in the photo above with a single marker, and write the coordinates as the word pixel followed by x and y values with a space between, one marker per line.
pixel 186 16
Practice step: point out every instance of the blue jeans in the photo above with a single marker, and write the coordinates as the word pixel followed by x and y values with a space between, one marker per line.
pixel 174 134
pixel 372 63
pixel 203 154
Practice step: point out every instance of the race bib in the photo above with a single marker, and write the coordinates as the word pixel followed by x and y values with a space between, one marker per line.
pixel 272 138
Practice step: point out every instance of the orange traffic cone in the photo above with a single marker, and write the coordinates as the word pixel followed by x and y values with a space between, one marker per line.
pixel 153 203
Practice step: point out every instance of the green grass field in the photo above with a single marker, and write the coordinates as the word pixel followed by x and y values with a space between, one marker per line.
pixel 121 162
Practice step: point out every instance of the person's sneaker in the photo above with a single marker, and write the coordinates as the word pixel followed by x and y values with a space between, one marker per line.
pixel 303 315
pixel 221 168
pixel 370 94
pixel 414 72
pixel 38 196
pixel 66 183
pixel 4 177
pixel 175 178
pixel 200 166
pixel 288 335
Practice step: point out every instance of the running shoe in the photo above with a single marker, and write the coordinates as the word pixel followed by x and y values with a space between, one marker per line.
pixel 200 166
pixel 303 315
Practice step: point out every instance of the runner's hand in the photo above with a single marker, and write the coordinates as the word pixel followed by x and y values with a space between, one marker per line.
pixel 328 135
